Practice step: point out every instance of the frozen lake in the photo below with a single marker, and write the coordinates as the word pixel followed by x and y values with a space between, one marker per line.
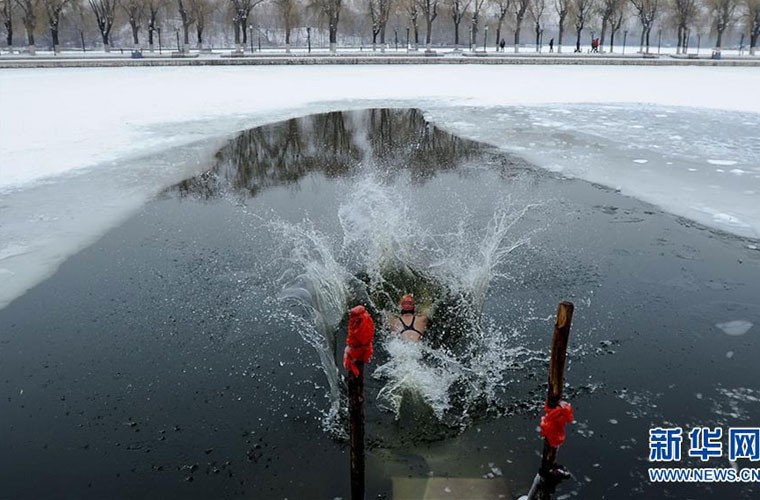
pixel 142 342
pixel 178 355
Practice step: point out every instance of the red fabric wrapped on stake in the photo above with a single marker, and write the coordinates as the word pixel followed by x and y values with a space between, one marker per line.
pixel 361 332
pixel 553 423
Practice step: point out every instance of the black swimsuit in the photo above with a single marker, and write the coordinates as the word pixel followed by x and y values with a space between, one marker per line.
pixel 409 327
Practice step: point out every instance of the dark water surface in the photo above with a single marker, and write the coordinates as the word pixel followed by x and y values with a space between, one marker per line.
pixel 158 363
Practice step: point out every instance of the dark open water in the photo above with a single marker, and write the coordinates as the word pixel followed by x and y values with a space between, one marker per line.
pixel 158 362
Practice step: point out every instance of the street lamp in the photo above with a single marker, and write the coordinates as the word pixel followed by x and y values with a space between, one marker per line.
pixel 250 36
pixel 407 39
pixel 159 39
pixel 625 37
pixel 485 38
pixel 308 38
pixel 176 30
pixel 395 33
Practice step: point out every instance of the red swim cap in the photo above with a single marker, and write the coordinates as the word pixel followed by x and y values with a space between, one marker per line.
pixel 407 303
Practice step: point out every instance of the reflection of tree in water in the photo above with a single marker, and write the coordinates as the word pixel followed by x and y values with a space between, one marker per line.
pixel 334 144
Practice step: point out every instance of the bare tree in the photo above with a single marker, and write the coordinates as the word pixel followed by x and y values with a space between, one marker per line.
pixel 458 11
pixel 29 9
pixel 502 8
pixel 379 10
pixel 616 22
pixel 477 7
pixel 582 9
pixel 684 12
pixel 54 9
pixel 200 11
pixel 289 16
pixel 413 10
pixel 537 8
pixel 429 10
pixel 609 10
pixel 646 11
pixel 329 10
pixel 6 13
pixel 153 7
pixel 723 15
pixel 520 8
pixel 242 11
pixel 753 22
pixel 105 12
pixel 187 17
pixel 135 11
pixel 563 9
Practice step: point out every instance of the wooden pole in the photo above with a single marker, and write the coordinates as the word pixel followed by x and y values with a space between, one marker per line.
pixel 557 374
pixel 356 422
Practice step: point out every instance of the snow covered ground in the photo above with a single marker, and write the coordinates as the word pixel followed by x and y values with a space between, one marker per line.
pixel 82 149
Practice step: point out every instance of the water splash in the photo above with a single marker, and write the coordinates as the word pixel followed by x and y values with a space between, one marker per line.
pixel 385 251
pixel 317 283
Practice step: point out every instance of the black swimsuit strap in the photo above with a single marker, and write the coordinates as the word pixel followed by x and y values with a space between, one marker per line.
pixel 409 327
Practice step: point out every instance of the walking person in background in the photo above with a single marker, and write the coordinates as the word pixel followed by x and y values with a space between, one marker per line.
pixel 502 44
pixel 551 45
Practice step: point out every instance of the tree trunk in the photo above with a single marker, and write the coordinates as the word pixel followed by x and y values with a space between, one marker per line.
pixel 498 34
pixel 719 41
pixel 641 42
pixel 429 33
pixel 578 39
pixel 186 34
pixel 612 40
pixel 538 36
pixel 753 43
pixel 560 34
pixel 9 28
pixel 518 29
pixel 199 35
pixel 679 36
pixel 135 39
pixel 456 35
pixel 333 38
pixel 30 35
pixel 649 30
pixel 474 32
pixel 603 34
pixel 54 37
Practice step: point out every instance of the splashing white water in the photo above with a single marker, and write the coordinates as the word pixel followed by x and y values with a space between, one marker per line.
pixel 382 235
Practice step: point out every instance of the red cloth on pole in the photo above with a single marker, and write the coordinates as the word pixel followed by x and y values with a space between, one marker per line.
pixel 553 423
pixel 361 332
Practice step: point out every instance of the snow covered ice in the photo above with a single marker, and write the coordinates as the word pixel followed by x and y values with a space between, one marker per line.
pixel 82 149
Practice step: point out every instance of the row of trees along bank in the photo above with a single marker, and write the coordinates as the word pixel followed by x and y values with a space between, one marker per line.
pixel 375 23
